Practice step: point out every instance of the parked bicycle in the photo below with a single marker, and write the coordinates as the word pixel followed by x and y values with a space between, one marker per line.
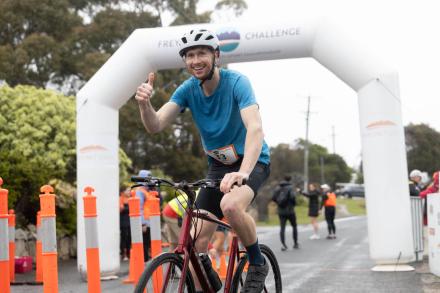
pixel 169 272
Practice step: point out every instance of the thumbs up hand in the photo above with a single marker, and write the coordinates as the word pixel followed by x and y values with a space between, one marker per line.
pixel 145 90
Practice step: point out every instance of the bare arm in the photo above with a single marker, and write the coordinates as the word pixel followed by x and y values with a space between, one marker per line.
pixel 254 138
pixel 154 121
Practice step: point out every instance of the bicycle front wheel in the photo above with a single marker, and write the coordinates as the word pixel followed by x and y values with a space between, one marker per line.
pixel 273 280
pixel 163 273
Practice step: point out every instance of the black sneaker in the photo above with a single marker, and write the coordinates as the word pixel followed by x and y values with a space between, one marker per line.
pixel 284 247
pixel 296 246
pixel 255 278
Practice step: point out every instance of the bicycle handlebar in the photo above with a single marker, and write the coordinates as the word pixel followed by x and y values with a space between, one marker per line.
pixel 156 182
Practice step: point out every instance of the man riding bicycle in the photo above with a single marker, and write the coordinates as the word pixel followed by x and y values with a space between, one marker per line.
pixel 226 113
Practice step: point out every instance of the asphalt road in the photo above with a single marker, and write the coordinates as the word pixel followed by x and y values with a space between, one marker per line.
pixel 340 265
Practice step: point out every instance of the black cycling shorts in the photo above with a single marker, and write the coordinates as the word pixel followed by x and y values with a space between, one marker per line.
pixel 209 198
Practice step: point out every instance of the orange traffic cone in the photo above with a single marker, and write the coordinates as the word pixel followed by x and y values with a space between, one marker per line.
pixel 92 245
pixel 11 224
pixel 130 278
pixel 156 239
pixel 4 248
pixel 50 255
pixel 39 251
pixel 137 247
pixel 214 264
pixel 223 266
pixel 246 266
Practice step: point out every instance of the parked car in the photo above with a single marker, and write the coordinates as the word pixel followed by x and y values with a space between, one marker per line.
pixel 352 191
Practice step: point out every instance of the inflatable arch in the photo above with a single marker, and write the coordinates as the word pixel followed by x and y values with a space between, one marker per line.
pixel 377 85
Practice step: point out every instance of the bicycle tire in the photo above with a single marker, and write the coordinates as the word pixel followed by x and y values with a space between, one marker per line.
pixel 173 260
pixel 238 279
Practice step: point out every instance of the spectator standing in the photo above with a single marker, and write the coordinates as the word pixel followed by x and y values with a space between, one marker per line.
pixel 313 194
pixel 124 222
pixel 284 197
pixel 329 204
pixel 415 177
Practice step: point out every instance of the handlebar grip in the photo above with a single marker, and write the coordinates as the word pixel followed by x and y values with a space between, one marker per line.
pixel 139 179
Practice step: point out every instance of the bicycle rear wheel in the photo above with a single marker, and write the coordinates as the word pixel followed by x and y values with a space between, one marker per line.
pixel 164 272
pixel 273 280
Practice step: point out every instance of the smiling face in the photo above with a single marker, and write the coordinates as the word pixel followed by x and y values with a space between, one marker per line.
pixel 199 61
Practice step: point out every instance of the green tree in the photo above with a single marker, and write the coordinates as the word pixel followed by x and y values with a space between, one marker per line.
pixel 422 147
pixel 37 147
pixel 286 159
pixel 32 36
pixel 65 42
pixel 37 143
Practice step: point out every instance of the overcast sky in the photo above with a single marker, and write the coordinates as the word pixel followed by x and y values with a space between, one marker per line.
pixel 407 34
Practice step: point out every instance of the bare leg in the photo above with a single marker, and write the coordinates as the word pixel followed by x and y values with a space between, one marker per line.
pixel 234 206
pixel 315 224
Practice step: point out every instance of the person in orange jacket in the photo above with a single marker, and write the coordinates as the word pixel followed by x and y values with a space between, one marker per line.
pixel 329 204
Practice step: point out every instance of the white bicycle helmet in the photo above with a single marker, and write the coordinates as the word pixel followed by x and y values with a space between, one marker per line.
pixel 200 37
pixel 415 173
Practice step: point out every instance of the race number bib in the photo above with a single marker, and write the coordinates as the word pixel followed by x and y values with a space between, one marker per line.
pixel 226 155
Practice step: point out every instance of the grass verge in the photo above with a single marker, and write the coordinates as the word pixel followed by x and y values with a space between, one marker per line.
pixel 353 207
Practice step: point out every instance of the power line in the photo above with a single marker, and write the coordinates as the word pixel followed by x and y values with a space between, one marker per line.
pixel 306 147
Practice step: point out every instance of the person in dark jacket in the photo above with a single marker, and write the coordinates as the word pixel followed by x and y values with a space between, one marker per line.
pixel 284 197
pixel 415 177
pixel 314 194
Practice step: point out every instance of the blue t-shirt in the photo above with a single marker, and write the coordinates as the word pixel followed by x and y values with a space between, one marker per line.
pixel 218 116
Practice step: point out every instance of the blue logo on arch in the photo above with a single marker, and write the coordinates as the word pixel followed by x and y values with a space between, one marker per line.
pixel 229 39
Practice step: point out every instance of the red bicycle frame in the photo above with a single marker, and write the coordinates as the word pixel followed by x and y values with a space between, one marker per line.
pixel 186 247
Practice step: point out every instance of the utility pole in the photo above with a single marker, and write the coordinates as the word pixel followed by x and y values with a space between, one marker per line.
pixel 333 139
pixel 306 148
